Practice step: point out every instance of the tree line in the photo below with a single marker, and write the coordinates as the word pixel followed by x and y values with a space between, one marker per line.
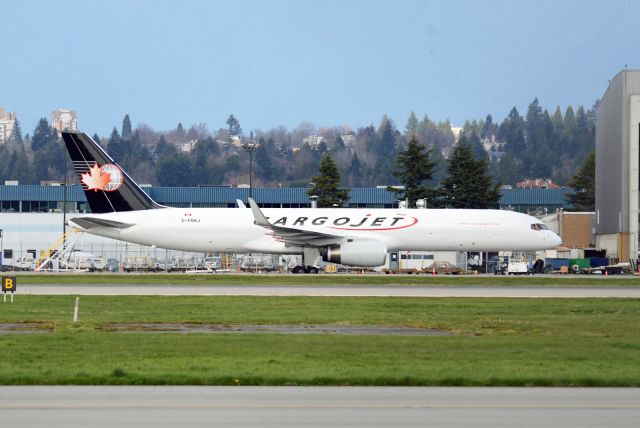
pixel 536 145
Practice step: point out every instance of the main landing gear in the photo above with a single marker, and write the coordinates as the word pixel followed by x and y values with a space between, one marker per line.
pixel 302 269
pixel 309 254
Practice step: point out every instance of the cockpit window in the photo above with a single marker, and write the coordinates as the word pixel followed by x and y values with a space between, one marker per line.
pixel 539 226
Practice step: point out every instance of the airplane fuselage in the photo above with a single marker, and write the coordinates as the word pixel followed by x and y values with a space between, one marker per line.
pixel 233 230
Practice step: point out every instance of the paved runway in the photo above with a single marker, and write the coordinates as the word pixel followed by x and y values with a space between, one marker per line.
pixel 299 290
pixel 69 406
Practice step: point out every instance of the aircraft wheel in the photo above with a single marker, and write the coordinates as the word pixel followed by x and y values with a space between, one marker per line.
pixel 312 270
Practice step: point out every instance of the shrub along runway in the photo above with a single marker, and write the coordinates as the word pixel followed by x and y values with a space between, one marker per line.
pixel 508 342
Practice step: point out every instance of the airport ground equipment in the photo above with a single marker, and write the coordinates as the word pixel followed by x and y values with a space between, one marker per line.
pixel 56 258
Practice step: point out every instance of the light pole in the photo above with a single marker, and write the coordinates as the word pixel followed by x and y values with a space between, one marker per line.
pixel 250 147
pixel 64 198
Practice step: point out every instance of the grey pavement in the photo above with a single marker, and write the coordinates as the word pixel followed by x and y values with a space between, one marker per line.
pixel 338 290
pixel 108 406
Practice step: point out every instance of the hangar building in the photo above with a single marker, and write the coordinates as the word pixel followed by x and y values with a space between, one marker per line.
pixel 617 160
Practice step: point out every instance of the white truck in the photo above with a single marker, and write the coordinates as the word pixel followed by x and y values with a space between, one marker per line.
pixel 514 267
pixel 25 263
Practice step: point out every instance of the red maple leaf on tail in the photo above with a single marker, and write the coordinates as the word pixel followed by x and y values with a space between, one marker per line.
pixel 96 179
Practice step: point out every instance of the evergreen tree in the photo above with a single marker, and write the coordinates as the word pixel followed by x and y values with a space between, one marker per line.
pixel 557 122
pixel 266 168
pixel 164 149
pixel 584 184
pixel 468 185
pixel 15 164
pixel 326 186
pixel 16 135
pixel 508 169
pixel 386 140
pixel 322 148
pixel 234 126
pixel 440 168
pixel 512 132
pixel 487 127
pixel 474 143
pixel 114 146
pixel 384 151
pixel 133 152
pixel 181 134
pixel 412 125
pixel 127 132
pixel 414 167
pixel 202 158
pixel 175 171
pixel 533 123
pixel 96 138
pixel 355 171
pixel 43 134
pixel 303 162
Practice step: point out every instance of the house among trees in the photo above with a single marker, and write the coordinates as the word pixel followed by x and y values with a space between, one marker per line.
pixel 537 183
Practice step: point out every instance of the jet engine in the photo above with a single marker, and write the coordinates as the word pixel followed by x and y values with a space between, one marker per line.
pixel 356 252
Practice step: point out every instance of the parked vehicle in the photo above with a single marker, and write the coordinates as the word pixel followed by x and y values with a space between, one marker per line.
pixel 99 263
pixel 443 268
pixel 212 263
pixel 140 264
pixel 25 263
pixel 187 263
pixel 80 260
pixel 513 267
pixel 112 265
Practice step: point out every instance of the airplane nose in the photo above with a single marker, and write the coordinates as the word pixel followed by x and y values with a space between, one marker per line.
pixel 555 239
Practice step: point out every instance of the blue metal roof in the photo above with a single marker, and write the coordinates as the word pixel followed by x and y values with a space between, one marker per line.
pixel 40 193
pixel 297 195
pixel 535 197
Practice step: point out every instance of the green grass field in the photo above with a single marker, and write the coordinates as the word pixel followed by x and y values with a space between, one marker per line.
pixel 541 342
pixel 328 279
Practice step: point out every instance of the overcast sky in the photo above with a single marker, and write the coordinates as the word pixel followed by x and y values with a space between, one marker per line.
pixel 331 63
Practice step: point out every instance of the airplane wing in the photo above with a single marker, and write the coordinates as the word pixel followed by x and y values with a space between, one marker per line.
pixel 291 235
pixel 91 223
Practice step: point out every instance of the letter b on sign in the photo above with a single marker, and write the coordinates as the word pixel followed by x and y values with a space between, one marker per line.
pixel 9 283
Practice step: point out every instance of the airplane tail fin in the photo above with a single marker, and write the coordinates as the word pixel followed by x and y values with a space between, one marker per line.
pixel 107 187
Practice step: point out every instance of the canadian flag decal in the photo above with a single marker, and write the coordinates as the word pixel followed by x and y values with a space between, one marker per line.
pixel 108 178
pixel 96 179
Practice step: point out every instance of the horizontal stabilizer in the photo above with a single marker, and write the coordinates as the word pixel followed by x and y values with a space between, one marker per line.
pixel 88 223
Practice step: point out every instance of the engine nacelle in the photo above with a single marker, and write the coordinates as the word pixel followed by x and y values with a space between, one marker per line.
pixel 356 252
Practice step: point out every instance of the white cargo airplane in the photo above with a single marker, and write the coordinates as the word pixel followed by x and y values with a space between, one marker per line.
pixel 358 237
